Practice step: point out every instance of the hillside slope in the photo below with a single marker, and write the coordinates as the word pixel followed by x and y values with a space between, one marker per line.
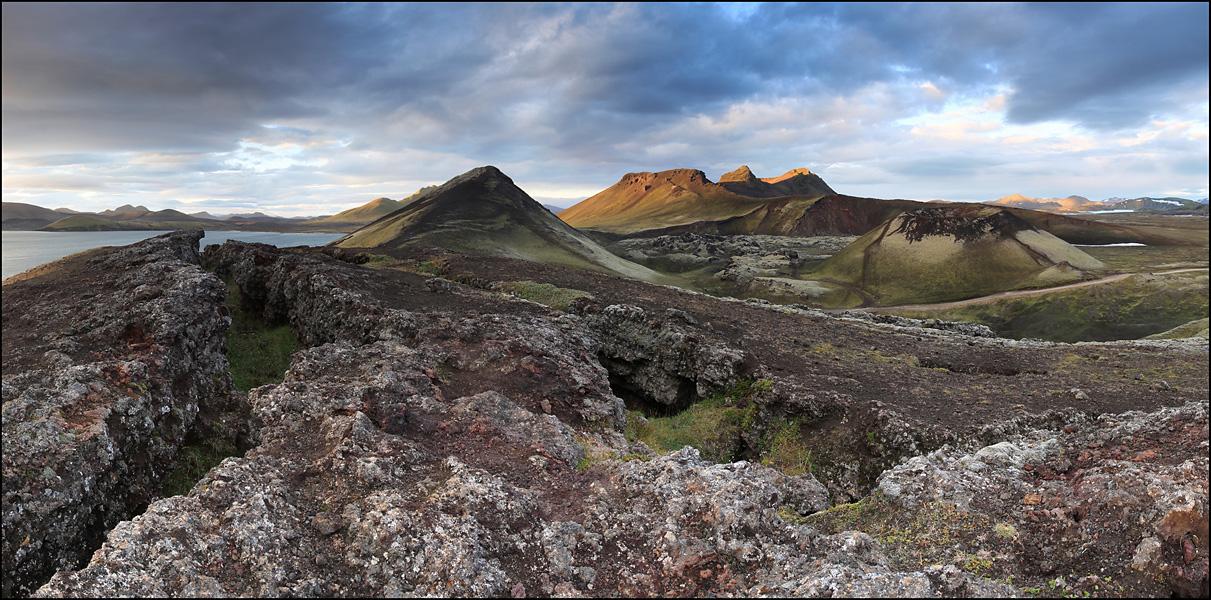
pixel 21 216
pixel 371 211
pixel 483 212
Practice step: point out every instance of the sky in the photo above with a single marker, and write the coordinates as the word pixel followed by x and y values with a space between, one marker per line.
pixel 311 109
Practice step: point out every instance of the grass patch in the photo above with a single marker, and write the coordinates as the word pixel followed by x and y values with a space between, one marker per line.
pixel 375 261
pixel 714 426
pixel 1192 329
pixel 258 354
pixel 193 463
pixel 543 293
pixel 1148 258
pixel 782 448
pixel 435 267
pixel 1133 308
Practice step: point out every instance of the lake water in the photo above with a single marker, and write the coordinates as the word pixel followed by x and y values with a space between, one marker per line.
pixel 24 250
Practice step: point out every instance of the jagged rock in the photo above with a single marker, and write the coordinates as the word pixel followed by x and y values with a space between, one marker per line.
pixel 666 360
pixel 446 440
pixel 130 350
pixel 452 504
pixel 1091 498
pixel 309 292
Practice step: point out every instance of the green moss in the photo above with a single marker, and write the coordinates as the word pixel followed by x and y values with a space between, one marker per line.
pixel 782 447
pixel 377 260
pixel 932 533
pixel 258 354
pixel 714 426
pixel 435 267
pixel 543 293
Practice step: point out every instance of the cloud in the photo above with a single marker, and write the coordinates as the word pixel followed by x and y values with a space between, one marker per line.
pixel 268 103
pixel 1108 66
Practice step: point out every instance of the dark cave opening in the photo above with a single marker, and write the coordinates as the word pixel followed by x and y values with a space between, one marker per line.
pixel 622 377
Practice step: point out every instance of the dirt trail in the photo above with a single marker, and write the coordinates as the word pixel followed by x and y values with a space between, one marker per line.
pixel 1016 293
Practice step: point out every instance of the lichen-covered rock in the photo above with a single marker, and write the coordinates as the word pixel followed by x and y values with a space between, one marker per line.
pixel 302 289
pixel 1116 498
pixel 127 349
pixel 519 354
pixel 440 439
pixel 367 480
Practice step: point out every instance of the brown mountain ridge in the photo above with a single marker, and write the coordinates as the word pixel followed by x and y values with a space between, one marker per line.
pixel 675 197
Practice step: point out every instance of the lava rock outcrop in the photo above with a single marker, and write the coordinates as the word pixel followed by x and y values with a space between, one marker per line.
pixel 99 395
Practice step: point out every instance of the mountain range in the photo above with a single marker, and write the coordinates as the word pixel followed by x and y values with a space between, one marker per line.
pixel 1083 204
pixel 906 252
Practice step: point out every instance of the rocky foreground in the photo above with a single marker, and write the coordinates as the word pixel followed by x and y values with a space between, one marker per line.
pixel 437 437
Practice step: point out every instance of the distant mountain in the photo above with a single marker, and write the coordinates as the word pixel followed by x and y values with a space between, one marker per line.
pixel 125 210
pixel 1071 203
pixel 647 201
pixel 483 212
pixel 655 200
pixel 28 217
pixel 124 219
pixel 371 211
pixel 1147 204
pixel 253 217
pixel 1078 204
pixel 954 252
pixel 20 216
pixel 796 182
pixel 834 214
pixel 366 213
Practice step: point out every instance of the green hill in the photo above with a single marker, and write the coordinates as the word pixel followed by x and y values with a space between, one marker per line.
pixel 94 223
pixel 21 216
pixel 954 252
pixel 484 212
pixel 371 211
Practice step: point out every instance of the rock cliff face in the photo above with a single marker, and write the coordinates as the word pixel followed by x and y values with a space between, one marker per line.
pixel 99 395
pixel 438 438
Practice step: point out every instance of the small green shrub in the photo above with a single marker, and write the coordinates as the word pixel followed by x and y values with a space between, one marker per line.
pixel 376 260
pixel 435 267
pixel 782 447
pixel 1005 530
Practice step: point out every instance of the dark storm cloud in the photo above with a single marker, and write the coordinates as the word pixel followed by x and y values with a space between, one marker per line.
pixel 584 91
pixel 1096 64
pixel 1108 66
pixel 199 76
pixel 171 76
